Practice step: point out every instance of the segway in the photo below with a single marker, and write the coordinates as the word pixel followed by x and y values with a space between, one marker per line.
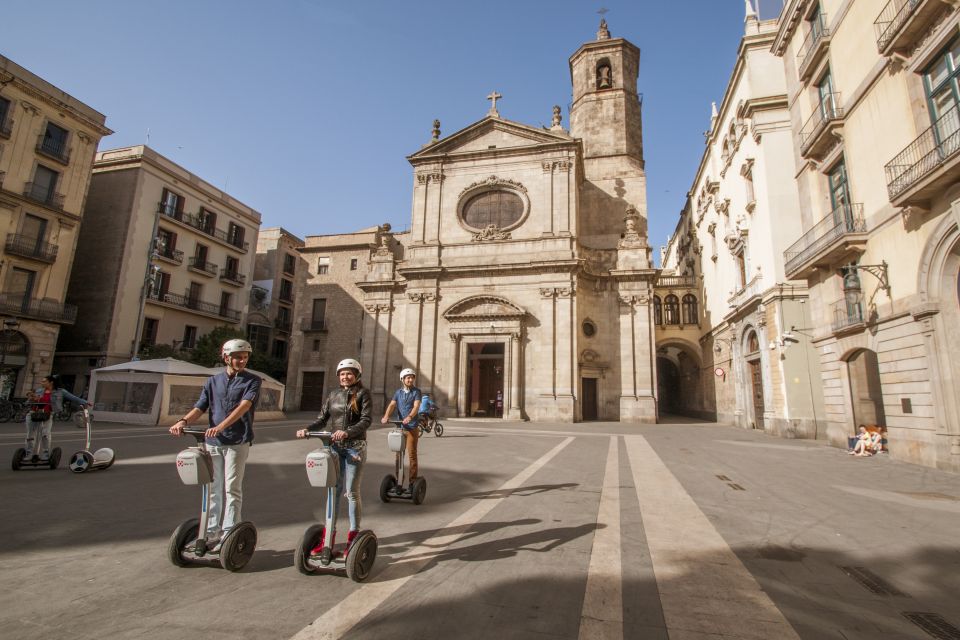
pixel 189 543
pixel 399 486
pixel 356 561
pixel 83 460
pixel 20 459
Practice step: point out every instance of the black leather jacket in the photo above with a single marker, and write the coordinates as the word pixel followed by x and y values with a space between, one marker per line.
pixel 338 414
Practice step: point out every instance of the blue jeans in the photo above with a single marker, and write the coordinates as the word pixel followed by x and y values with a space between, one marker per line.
pixel 226 494
pixel 39 437
pixel 351 472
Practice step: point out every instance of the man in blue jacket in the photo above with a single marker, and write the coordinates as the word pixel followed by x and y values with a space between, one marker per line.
pixel 231 398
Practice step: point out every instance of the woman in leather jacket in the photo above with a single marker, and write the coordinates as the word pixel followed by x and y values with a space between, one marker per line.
pixel 347 412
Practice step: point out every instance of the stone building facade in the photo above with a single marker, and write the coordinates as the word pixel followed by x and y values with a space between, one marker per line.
pixel 756 364
pixel 172 257
pixel 523 288
pixel 47 144
pixel 875 107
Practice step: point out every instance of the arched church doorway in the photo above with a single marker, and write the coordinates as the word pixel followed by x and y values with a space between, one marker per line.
pixel 14 350
pixel 755 377
pixel 485 380
pixel 866 396
pixel 668 385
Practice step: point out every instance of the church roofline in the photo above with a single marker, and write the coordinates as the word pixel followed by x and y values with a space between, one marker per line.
pixel 545 136
pixel 612 43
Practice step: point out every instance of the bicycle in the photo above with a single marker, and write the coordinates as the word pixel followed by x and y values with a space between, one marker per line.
pixel 429 423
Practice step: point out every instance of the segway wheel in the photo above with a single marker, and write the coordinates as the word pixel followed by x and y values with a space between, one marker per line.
pixel 238 546
pixel 419 490
pixel 80 461
pixel 438 429
pixel 387 485
pixel 182 536
pixel 301 555
pixel 55 458
pixel 361 556
pixel 17 458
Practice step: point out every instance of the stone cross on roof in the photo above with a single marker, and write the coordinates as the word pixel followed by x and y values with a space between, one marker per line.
pixel 493 97
pixel 603 33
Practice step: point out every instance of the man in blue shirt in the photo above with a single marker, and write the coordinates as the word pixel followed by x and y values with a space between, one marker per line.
pixel 406 402
pixel 231 398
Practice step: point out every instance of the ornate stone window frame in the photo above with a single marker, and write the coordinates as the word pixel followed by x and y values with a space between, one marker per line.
pixel 493 183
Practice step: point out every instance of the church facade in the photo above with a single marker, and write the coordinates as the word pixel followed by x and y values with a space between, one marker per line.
pixel 523 289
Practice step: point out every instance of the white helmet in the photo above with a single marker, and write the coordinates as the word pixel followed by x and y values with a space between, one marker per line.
pixel 236 346
pixel 350 363
pixel 407 372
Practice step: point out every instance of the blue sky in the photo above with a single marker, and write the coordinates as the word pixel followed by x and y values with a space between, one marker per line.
pixel 307 109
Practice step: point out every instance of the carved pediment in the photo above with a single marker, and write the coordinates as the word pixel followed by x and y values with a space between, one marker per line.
pixel 492 133
pixel 483 308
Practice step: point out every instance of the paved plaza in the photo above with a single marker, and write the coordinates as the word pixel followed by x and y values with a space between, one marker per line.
pixel 593 530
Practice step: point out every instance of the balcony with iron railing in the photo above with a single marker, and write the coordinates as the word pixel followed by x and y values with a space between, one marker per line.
pixel 43 195
pixel 202 224
pixel 232 277
pixel 816 135
pixel 841 233
pixel 903 23
pixel 170 211
pixel 6 127
pixel 202 266
pixel 927 165
pixel 676 282
pixel 747 293
pixel 53 148
pixel 170 255
pixel 194 303
pixel 47 310
pixel 846 315
pixel 282 324
pixel 31 247
pixel 814 47
pixel 314 325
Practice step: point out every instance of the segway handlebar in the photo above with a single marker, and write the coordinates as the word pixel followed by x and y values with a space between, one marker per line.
pixel 410 426
pixel 198 433
pixel 325 436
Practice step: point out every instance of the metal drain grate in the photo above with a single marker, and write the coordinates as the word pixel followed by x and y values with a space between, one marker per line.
pixel 724 478
pixel 872 582
pixel 734 485
pixel 933 624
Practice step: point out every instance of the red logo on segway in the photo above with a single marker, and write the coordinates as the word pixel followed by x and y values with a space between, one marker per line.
pixel 180 463
pixel 311 464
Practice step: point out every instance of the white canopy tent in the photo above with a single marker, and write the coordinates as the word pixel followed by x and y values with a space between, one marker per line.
pixel 161 391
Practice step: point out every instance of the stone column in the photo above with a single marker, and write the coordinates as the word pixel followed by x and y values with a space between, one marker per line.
pixel 513 411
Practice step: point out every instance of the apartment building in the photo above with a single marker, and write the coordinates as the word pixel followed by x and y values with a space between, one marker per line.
pixel 875 105
pixel 171 256
pixel 47 144
pixel 270 321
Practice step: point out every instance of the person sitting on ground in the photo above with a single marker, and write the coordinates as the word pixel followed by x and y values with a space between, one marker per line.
pixel 864 446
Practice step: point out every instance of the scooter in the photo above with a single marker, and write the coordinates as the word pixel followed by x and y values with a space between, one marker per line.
pixel 21 460
pixel 399 486
pixel 323 470
pixel 84 460
pixel 189 541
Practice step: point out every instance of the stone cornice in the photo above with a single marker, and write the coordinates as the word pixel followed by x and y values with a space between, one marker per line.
pixel 59 105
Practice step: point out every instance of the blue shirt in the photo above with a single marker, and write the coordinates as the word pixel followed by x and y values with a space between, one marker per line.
pixel 222 394
pixel 405 400
pixel 425 404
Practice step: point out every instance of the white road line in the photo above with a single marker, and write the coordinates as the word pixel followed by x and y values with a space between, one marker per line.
pixel 602 615
pixel 705 591
pixel 346 614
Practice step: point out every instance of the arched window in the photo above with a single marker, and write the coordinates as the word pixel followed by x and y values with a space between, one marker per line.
pixel 753 343
pixel 657 310
pixel 671 308
pixel 604 75
pixel 690 309
pixel 499 207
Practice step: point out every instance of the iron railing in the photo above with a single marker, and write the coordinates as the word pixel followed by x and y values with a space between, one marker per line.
pixel 233 277
pixel 43 195
pixel 49 310
pixel 314 325
pixel 676 282
pixel 928 151
pixel 194 303
pixel 170 211
pixel 201 224
pixel 748 291
pixel 30 247
pixel 817 33
pixel 847 218
pixel 202 265
pixel 846 314
pixel 282 325
pixel 174 255
pixel 53 148
pixel 894 15
pixel 826 111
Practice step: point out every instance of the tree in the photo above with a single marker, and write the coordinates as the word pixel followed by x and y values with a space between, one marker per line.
pixel 156 351
pixel 206 352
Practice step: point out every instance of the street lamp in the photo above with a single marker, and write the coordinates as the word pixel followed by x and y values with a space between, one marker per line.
pixel 851 280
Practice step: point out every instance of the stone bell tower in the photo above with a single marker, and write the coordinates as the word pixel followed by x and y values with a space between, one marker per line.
pixel 605 115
